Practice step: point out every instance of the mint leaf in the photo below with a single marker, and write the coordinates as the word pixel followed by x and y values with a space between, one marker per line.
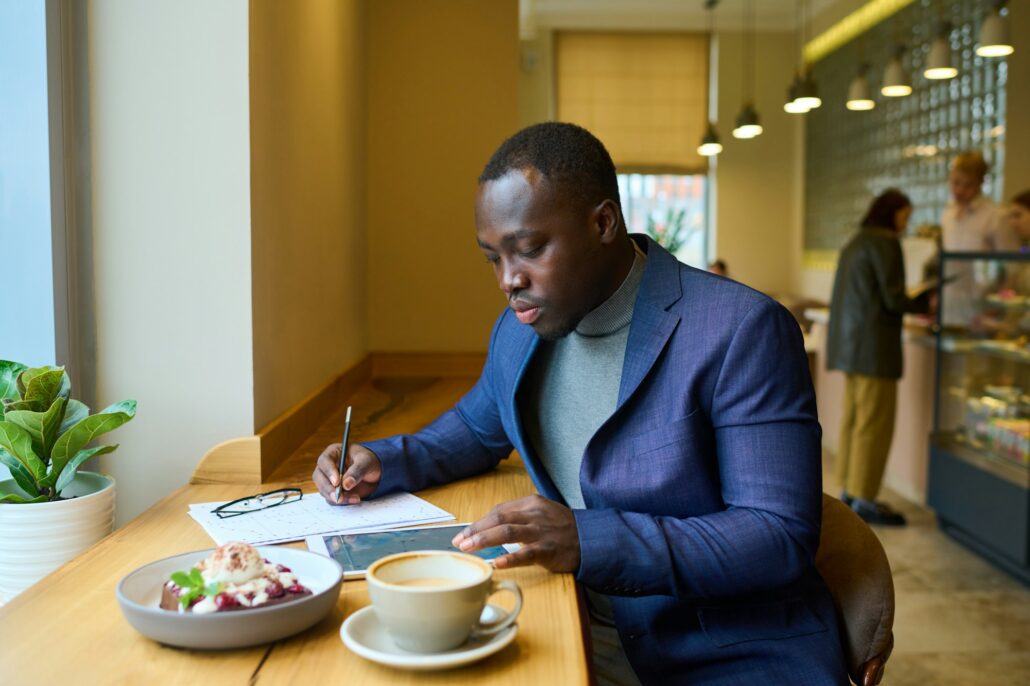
pixel 181 579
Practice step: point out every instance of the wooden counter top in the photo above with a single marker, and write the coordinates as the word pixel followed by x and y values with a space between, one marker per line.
pixel 69 629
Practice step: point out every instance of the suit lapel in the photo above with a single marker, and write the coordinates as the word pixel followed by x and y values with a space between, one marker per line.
pixel 652 325
pixel 524 356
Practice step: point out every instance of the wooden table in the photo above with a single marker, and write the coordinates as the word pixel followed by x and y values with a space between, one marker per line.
pixel 69 629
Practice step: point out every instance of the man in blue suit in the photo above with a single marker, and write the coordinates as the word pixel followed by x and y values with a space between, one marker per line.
pixel 667 418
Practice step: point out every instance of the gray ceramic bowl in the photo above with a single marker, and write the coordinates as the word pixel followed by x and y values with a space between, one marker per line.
pixel 139 595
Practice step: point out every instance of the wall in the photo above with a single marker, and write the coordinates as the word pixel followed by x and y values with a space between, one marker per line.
pixel 1017 130
pixel 756 180
pixel 757 202
pixel 171 224
pixel 442 84
pixel 309 243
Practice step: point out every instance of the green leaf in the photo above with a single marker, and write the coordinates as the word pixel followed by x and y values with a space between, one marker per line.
pixel 192 583
pixel 9 372
pixel 41 426
pixel 65 389
pixel 67 475
pixel 19 473
pixel 181 579
pixel 82 433
pixel 14 498
pixel 73 414
pixel 41 386
pixel 16 441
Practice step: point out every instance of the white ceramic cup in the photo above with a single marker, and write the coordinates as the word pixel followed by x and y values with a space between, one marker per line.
pixel 430 601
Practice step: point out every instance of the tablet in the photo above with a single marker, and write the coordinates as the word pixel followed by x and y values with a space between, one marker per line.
pixel 355 552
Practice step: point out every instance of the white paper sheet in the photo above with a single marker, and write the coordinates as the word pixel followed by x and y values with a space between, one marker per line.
pixel 313 516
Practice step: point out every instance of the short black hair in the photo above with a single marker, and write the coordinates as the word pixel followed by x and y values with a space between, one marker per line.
pixel 566 155
pixel 883 208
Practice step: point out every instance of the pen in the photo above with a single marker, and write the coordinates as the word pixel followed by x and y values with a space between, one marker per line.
pixel 343 451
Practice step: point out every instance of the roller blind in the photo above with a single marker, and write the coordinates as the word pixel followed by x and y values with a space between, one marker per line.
pixel 645 95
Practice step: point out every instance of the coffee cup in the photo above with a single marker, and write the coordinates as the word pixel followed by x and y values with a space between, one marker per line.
pixel 431 601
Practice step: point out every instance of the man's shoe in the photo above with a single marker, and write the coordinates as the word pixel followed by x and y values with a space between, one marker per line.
pixel 877 513
pixel 846 499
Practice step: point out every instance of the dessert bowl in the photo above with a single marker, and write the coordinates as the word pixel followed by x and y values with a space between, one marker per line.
pixel 139 595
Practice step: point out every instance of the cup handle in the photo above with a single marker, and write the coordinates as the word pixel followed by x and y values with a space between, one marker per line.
pixel 492 628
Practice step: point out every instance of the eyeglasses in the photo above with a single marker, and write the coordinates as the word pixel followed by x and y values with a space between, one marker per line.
pixel 254 503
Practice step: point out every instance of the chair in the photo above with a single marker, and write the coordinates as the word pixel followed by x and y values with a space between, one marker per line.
pixel 855 568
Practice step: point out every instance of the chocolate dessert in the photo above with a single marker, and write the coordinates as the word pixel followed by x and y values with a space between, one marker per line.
pixel 234 577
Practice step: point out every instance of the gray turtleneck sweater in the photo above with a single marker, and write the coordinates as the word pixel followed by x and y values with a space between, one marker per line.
pixel 572 385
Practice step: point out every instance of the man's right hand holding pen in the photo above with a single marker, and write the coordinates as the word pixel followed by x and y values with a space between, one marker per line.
pixel 361 474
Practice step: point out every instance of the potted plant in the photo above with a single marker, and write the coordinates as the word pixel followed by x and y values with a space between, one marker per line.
pixel 49 510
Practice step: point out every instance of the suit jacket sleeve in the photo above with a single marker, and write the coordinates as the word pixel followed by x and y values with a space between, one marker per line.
pixel 767 443
pixel 465 440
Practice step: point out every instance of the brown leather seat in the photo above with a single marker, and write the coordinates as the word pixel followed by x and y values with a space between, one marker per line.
pixel 855 568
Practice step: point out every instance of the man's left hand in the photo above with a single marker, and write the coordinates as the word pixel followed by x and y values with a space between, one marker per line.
pixel 546 531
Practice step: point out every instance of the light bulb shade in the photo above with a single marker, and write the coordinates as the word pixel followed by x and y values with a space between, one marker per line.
pixel 938 62
pixel 860 96
pixel 710 144
pixel 896 82
pixel 790 105
pixel 808 94
pixel 747 123
pixel 994 36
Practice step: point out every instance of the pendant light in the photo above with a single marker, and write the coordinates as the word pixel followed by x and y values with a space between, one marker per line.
pixel 938 63
pixel 860 96
pixel 710 145
pixel 994 34
pixel 791 105
pixel 806 95
pixel 896 82
pixel 748 125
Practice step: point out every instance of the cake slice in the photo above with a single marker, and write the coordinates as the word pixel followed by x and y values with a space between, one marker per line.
pixel 234 577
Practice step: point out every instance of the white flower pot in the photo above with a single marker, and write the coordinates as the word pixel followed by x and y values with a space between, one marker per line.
pixel 37 538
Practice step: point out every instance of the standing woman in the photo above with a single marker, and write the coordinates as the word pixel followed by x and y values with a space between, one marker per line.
pixel 864 342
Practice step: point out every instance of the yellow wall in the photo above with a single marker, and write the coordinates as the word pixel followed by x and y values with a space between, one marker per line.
pixel 756 181
pixel 442 82
pixel 309 243
pixel 171 234
pixel 1017 128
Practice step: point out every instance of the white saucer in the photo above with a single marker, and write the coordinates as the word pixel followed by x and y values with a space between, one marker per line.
pixel 364 635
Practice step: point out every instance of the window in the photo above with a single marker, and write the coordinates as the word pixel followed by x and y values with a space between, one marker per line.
pixel 671 209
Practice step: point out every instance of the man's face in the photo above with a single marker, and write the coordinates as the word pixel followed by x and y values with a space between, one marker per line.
pixel 964 187
pixel 546 251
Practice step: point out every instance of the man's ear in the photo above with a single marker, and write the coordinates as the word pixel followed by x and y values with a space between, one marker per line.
pixel 607 219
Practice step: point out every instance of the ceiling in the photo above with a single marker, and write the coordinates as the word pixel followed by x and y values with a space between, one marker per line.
pixel 770 15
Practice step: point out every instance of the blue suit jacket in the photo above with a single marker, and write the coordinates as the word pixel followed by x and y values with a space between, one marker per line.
pixel 703 489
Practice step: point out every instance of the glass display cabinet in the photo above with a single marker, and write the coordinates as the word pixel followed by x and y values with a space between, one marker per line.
pixel 979 477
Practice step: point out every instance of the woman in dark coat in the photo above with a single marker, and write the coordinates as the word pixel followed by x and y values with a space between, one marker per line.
pixel 864 342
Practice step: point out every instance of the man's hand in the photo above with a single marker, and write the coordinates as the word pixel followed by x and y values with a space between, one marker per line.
pixel 546 530
pixel 361 474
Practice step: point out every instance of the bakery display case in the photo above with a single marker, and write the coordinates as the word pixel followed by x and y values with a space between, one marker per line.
pixel 979 474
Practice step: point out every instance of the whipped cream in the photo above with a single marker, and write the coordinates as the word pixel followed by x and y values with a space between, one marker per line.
pixel 247 579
